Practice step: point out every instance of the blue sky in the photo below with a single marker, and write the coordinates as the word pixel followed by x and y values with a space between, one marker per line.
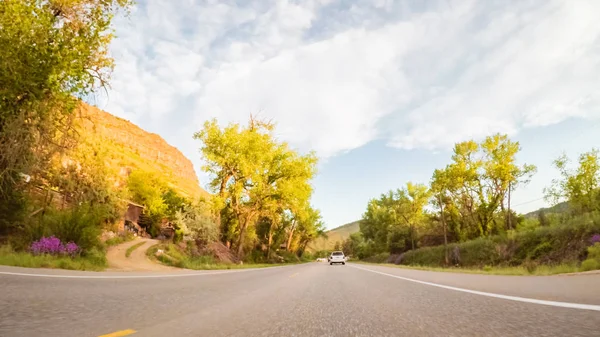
pixel 381 90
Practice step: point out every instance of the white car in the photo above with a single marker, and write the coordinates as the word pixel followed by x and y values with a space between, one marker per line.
pixel 337 257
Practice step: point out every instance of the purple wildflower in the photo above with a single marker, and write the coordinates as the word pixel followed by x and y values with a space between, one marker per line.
pixel 71 248
pixel 595 239
pixel 51 245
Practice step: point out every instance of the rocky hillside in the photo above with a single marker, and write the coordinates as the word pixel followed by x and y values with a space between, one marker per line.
pixel 338 234
pixel 133 148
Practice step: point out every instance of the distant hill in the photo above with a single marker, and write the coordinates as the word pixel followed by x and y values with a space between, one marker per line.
pixel 561 207
pixel 338 234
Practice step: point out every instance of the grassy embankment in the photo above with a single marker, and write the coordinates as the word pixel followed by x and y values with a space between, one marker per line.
pixel 175 256
pixel 94 260
pixel 563 248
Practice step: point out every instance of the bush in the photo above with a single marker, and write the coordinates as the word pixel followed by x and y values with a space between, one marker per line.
pixel 81 225
pixel 288 257
pixel 590 264
pixel 255 256
pixel 378 258
pixel 594 251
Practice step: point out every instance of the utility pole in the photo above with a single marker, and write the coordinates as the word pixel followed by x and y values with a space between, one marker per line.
pixel 509 216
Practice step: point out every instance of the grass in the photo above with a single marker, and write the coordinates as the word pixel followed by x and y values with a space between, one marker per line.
pixel 541 270
pixel 134 247
pixel 173 256
pixel 94 260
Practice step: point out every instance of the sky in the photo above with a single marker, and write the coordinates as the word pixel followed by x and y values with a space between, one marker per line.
pixel 380 90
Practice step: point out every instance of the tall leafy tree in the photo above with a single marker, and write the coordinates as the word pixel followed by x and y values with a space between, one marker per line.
pixel 481 176
pixel 254 175
pixel 52 53
pixel 410 210
pixel 581 187
pixel 439 189
pixel 501 173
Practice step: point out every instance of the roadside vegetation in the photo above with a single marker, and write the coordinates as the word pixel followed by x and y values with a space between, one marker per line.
pixel 188 257
pixel 463 219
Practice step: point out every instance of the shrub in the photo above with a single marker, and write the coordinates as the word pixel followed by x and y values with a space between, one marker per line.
pixel 288 256
pixel 81 225
pixel 96 256
pixel 378 258
pixel 590 264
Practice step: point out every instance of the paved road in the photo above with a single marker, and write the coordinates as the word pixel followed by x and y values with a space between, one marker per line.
pixel 313 299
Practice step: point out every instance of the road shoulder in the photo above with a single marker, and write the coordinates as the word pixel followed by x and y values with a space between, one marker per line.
pixel 583 288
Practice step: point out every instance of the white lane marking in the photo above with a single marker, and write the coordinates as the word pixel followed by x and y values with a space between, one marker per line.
pixel 482 293
pixel 136 276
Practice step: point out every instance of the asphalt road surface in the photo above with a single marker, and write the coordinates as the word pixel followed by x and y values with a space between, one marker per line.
pixel 312 299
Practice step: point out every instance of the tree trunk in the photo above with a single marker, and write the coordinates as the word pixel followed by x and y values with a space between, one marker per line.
pixel 289 240
pixel 240 243
pixel 270 241
pixel 412 237
pixel 222 195
pixel 443 218
pixel 508 218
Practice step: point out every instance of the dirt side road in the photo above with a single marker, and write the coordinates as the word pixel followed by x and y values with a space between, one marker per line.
pixel 137 261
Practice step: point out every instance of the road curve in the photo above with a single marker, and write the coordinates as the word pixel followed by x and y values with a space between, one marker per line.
pixel 137 261
pixel 313 299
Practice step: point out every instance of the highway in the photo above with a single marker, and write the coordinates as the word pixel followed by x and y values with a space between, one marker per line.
pixel 312 299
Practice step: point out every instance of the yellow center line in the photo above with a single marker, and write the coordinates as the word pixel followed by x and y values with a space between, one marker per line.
pixel 293 275
pixel 119 333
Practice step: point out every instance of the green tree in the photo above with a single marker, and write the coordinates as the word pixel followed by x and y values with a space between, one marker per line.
pixel 254 176
pixel 581 187
pixel 147 188
pixel 440 191
pixel 196 223
pixel 309 228
pixel 82 175
pixel 377 221
pixel 52 53
pixel 482 176
pixel 410 210
pixel 501 173
pixel 351 246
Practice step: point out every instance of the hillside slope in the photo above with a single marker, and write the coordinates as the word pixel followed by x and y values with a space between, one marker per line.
pixel 338 234
pixel 133 148
pixel 559 208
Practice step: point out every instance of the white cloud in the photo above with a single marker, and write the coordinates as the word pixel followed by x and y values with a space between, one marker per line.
pixel 419 76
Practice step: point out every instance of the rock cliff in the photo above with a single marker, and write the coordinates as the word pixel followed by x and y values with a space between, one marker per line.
pixel 135 148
